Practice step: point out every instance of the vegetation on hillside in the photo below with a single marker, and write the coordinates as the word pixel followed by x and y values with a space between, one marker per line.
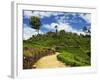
pixel 74 49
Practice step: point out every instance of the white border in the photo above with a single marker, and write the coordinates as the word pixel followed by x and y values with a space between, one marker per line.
pixel 17 70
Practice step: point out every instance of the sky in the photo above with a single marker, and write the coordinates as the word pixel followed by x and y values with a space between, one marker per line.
pixel 68 21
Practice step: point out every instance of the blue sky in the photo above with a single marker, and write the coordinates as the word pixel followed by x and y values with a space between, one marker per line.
pixel 68 21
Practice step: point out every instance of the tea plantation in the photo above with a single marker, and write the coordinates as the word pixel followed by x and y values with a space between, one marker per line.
pixel 74 49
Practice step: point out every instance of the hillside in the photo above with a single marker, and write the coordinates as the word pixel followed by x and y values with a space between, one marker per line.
pixel 74 49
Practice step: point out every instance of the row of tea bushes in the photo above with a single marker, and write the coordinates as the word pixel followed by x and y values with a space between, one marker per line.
pixel 72 60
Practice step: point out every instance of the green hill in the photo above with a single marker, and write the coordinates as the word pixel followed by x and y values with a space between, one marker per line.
pixel 74 49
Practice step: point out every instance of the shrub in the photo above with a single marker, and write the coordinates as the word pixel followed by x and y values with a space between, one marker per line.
pixel 71 60
pixel 88 53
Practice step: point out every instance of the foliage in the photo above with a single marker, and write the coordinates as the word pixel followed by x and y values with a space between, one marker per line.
pixel 35 22
pixel 56 29
pixel 74 49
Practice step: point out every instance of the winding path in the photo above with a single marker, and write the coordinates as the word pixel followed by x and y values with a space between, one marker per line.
pixel 49 62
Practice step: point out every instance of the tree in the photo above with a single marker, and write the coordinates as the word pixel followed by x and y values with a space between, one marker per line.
pixel 87 30
pixel 84 28
pixel 62 32
pixel 35 23
pixel 56 29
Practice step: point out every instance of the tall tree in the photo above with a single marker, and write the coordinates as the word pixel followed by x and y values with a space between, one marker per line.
pixel 56 27
pixel 87 30
pixel 35 23
pixel 84 28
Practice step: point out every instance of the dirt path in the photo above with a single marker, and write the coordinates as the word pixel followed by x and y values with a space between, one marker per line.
pixel 49 62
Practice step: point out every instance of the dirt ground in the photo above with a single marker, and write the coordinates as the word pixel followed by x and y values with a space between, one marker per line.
pixel 49 62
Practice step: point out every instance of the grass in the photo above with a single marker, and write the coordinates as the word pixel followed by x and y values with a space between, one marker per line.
pixel 74 50
pixel 73 58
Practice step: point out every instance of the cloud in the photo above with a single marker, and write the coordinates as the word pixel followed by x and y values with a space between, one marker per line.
pixel 65 16
pixel 62 26
pixel 62 21
pixel 37 13
pixel 41 14
pixel 86 17
pixel 71 17
pixel 28 32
